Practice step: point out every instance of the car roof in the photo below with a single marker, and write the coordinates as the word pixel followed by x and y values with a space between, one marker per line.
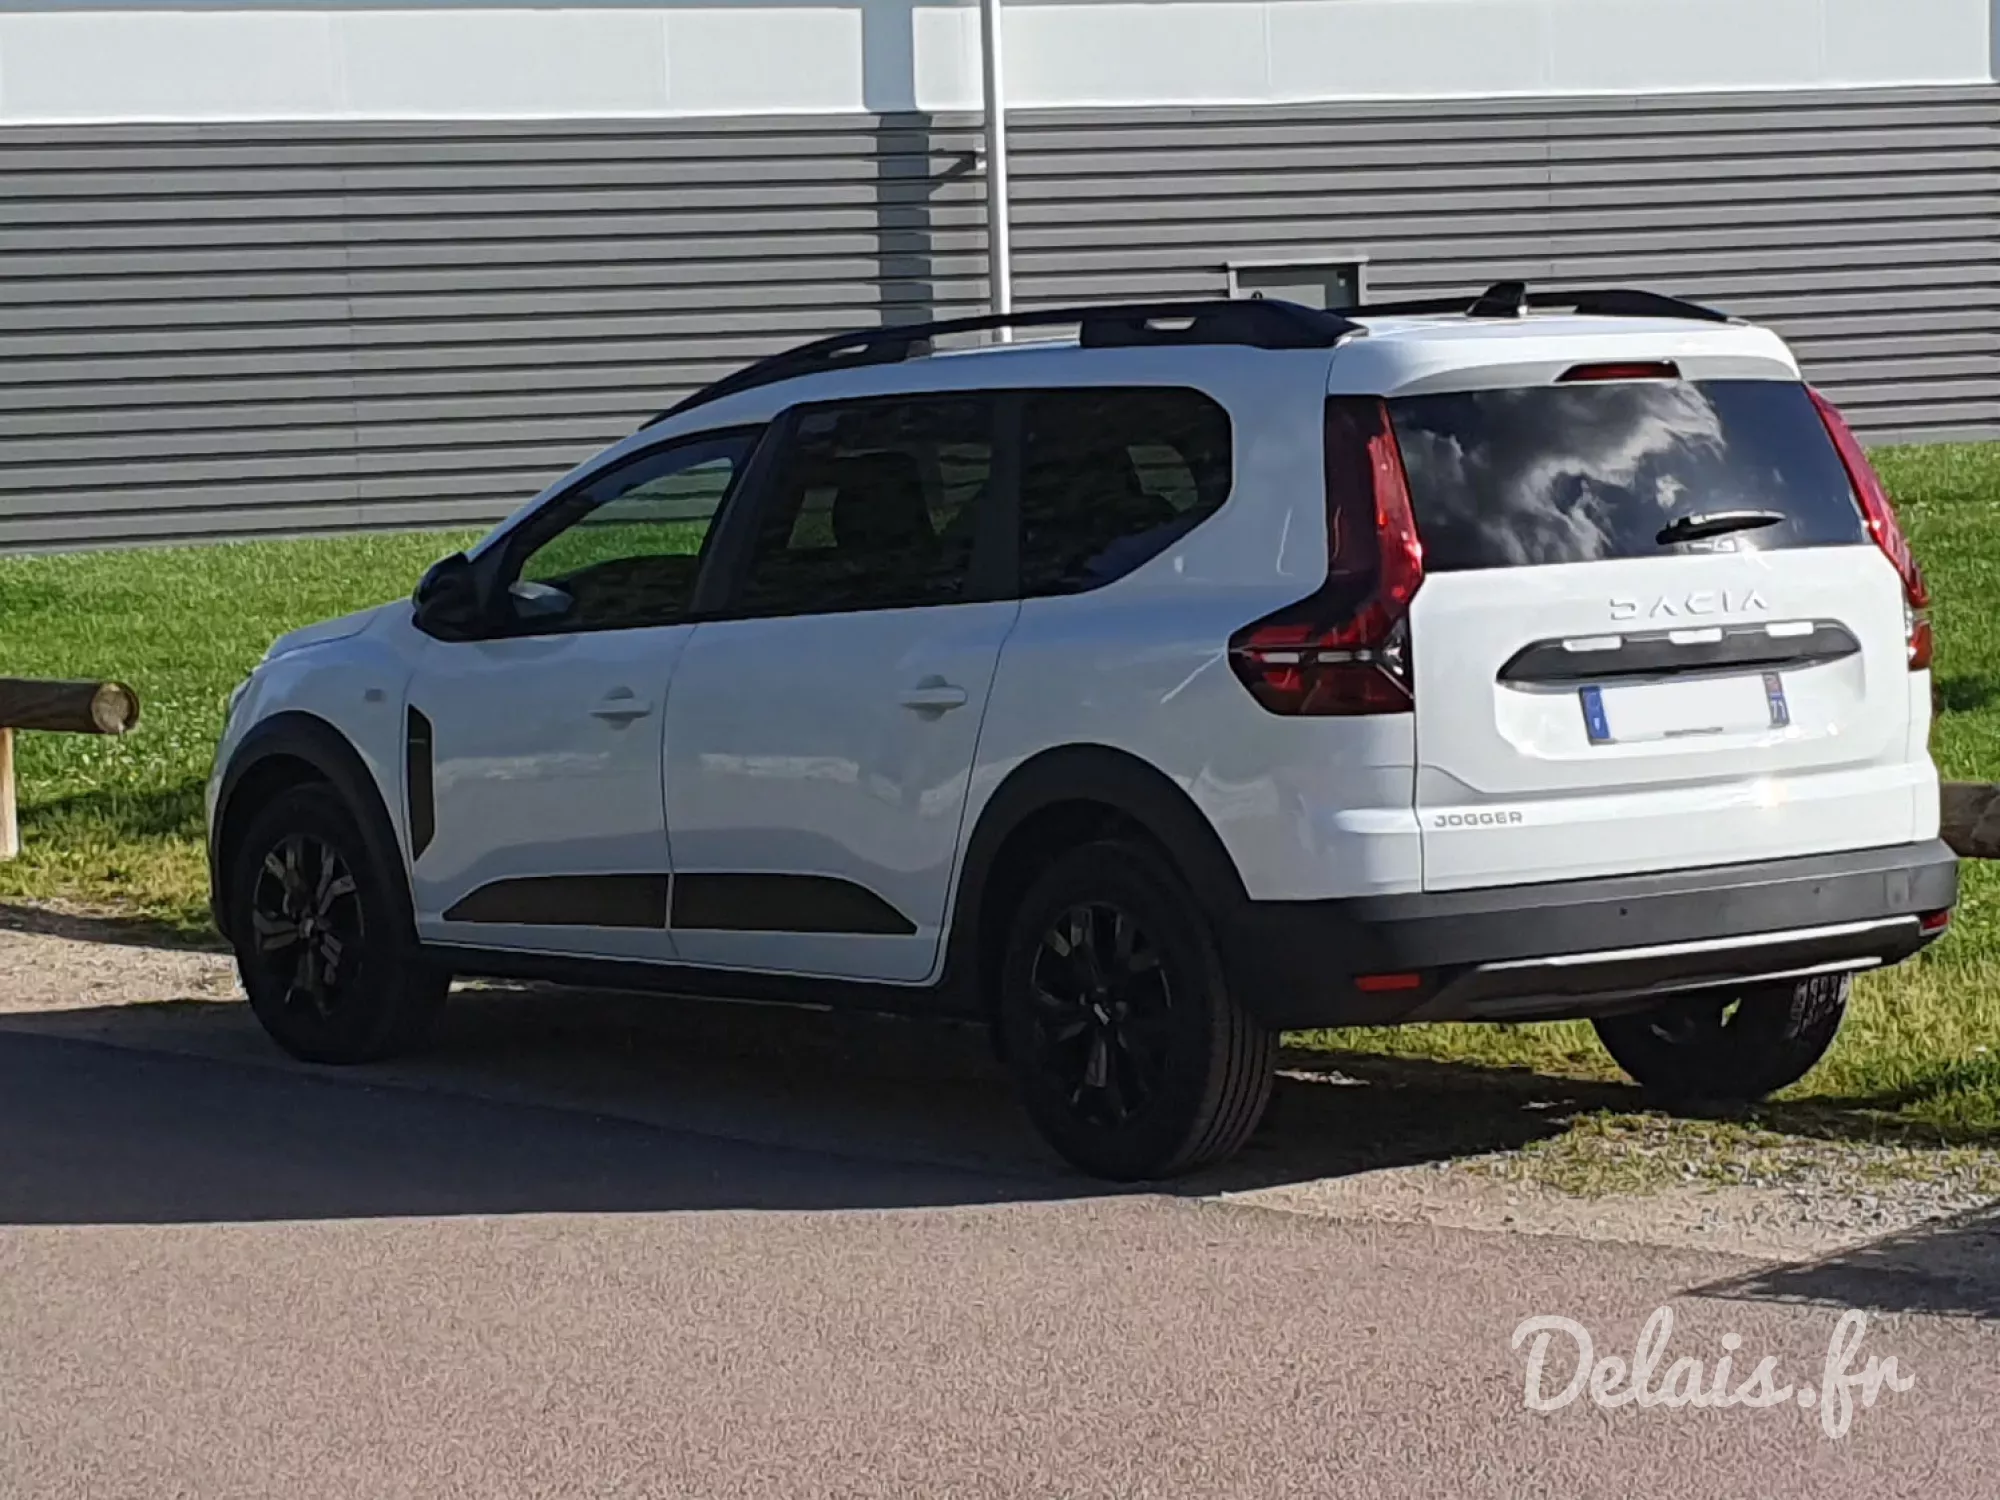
pixel 1386 355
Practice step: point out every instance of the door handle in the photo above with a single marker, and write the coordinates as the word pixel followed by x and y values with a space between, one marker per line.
pixel 620 706
pixel 933 696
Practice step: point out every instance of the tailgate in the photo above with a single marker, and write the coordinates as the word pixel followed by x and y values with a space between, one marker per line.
pixel 1603 684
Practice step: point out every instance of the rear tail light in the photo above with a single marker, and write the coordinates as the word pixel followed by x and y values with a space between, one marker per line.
pixel 1345 649
pixel 1881 518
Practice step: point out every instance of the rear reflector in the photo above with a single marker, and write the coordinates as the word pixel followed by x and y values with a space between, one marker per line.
pixel 1378 984
pixel 1344 649
pixel 1880 515
pixel 1662 369
pixel 1934 921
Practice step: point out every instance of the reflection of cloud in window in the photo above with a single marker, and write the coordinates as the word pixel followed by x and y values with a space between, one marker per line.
pixel 1546 476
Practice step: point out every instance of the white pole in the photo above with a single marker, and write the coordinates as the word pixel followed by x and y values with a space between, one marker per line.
pixel 999 250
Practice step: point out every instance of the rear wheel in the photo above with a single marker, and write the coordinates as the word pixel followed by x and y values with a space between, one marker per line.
pixel 1129 1052
pixel 323 940
pixel 1729 1046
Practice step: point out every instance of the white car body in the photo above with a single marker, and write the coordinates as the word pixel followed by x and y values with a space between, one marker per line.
pixel 864 749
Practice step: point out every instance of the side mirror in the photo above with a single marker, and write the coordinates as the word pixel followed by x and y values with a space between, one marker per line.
pixel 447 599
pixel 539 603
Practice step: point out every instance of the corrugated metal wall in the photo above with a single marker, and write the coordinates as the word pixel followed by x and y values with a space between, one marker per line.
pixel 211 330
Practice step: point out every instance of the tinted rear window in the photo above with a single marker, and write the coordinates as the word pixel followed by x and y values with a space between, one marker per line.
pixel 1582 473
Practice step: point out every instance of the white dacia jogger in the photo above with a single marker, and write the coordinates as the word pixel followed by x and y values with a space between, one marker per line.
pixel 1203 671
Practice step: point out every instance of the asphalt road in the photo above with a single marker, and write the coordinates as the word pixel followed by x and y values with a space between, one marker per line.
pixel 221 1279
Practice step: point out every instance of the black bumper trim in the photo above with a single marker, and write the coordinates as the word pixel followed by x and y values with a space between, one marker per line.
pixel 1294 961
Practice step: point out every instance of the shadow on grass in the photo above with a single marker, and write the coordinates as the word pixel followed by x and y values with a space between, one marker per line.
pixel 117 817
pixel 1480 1090
pixel 116 928
pixel 1961 694
pixel 1950 1268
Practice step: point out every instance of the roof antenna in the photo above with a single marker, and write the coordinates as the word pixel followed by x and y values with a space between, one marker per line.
pixel 1503 299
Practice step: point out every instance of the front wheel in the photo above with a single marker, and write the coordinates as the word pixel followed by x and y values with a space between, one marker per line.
pixel 323 942
pixel 1131 1055
pixel 1729 1046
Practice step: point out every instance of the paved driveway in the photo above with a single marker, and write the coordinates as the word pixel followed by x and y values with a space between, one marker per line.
pixel 826 1275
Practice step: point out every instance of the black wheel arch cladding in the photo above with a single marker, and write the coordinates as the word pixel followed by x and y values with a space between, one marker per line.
pixel 304 738
pixel 1115 780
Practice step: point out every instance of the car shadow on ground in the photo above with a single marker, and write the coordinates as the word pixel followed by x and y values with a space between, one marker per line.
pixel 540 1099
pixel 546 1099
pixel 1950 1268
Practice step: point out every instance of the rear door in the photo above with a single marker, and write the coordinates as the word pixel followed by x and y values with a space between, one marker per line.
pixel 821 734
pixel 1653 633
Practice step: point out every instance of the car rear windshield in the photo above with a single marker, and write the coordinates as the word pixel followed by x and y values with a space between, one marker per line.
pixel 1587 472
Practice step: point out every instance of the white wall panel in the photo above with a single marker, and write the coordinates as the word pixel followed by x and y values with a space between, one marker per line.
pixel 71 65
pixel 1869 38
pixel 1406 48
pixel 946 58
pixel 111 60
pixel 446 63
pixel 1620 45
pixel 760 61
pixel 1083 54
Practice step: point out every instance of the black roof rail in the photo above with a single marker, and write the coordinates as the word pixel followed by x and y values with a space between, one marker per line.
pixel 1511 299
pixel 1257 323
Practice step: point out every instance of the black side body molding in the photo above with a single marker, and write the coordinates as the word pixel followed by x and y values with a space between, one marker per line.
pixel 567 901
pixel 783 903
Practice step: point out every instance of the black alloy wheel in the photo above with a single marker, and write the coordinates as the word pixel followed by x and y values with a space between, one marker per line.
pixel 1128 1050
pixel 307 924
pixel 325 941
pixel 1102 1013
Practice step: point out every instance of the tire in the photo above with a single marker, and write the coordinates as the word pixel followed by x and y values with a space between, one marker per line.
pixel 303 874
pixel 1129 1053
pixel 1737 1048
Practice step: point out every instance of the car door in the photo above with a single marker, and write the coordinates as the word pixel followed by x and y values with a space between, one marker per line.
pixel 544 823
pixel 820 734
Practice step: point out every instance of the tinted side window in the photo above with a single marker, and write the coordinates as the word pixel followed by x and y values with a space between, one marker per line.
pixel 622 553
pixel 873 507
pixel 1111 478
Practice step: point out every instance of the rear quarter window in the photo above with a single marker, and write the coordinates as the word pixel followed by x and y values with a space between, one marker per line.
pixel 1584 473
pixel 1111 477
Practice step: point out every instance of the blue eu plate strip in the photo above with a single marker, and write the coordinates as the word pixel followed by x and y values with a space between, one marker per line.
pixel 1594 722
pixel 1774 694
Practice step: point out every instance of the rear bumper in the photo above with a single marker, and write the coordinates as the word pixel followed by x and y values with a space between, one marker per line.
pixel 1584 947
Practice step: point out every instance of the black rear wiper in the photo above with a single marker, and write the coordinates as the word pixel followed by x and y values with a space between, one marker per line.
pixel 1716 523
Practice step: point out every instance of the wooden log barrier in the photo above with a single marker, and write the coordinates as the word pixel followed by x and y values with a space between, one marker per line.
pixel 66 707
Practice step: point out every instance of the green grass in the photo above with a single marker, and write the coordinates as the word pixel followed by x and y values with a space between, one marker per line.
pixel 117 823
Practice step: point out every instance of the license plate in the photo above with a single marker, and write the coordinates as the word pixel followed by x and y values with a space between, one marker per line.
pixel 1689 708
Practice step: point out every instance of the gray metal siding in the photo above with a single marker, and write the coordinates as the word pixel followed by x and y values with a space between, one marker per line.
pixel 211 330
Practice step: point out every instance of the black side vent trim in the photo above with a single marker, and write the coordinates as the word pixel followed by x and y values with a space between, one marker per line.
pixel 567 901
pixel 783 903
pixel 1668 653
pixel 422 797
